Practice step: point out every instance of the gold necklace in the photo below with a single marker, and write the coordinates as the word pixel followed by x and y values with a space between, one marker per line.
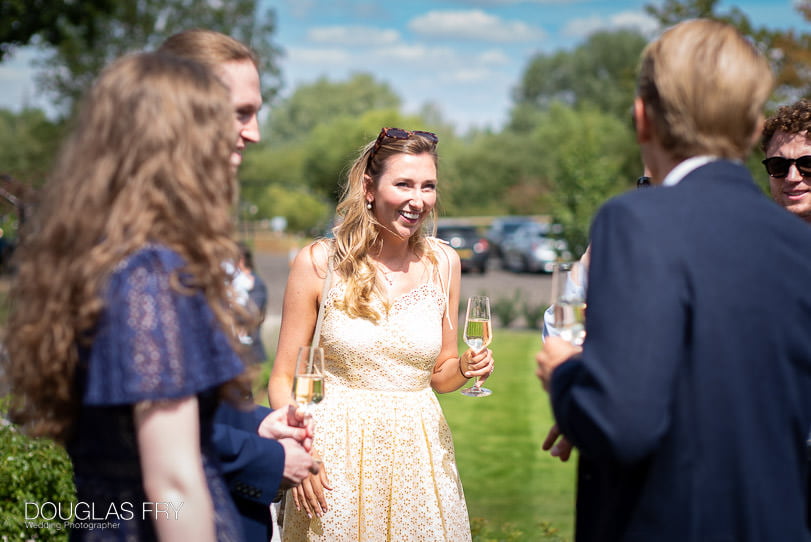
pixel 387 272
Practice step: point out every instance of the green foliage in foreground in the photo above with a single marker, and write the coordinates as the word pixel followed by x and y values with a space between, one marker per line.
pixel 33 470
pixel 514 490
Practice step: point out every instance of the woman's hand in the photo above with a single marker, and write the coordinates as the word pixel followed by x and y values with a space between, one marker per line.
pixel 309 495
pixel 477 364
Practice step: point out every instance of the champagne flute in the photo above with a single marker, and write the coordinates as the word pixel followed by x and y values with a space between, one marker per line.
pixel 569 301
pixel 477 335
pixel 308 381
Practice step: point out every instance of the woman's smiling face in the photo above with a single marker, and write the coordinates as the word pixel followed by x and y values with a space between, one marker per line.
pixel 405 194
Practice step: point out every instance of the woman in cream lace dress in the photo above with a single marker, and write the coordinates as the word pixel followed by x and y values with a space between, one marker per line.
pixel 390 341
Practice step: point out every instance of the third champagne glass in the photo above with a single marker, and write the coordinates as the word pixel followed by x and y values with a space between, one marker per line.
pixel 569 302
pixel 477 335
pixel 308 382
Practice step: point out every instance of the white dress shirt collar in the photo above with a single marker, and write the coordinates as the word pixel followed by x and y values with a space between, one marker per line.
pixel 684 168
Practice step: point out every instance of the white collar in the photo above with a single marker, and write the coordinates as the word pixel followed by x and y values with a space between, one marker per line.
pixel 687 166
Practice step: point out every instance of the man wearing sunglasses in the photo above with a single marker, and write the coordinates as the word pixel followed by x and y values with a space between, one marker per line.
pixel 786 142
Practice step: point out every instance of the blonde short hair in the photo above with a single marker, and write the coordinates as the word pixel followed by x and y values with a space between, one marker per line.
pixel 208 47
pixel 704 85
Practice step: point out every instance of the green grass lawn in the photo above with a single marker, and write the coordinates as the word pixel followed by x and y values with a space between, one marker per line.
pixel 514 490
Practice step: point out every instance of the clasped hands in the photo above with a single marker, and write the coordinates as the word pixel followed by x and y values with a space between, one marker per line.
pixel 293 429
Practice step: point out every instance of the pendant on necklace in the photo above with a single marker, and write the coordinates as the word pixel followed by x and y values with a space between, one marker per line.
pixel 387 279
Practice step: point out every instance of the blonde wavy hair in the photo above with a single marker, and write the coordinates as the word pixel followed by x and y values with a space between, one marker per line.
pixel 706 86
pixel 146 161
pixel 358 232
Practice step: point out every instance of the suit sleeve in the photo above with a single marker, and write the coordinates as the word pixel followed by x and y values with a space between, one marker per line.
pixel 613 400
pixel 259 294
pixel 253 465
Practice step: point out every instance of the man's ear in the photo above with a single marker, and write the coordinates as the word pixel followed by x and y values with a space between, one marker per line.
pixel 642 123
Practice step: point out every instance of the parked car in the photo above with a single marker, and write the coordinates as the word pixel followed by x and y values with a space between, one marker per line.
pixel 533 247
pixel 472 247
pixel 501 229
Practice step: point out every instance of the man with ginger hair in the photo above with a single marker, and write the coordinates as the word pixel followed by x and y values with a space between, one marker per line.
pixel 689 401
pixel 254 466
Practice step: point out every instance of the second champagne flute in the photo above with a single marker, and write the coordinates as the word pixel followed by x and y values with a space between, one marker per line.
pixel 308 382
pixel 568 302
pixel 477 335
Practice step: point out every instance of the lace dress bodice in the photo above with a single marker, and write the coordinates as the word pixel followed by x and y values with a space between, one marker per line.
pixel 397 353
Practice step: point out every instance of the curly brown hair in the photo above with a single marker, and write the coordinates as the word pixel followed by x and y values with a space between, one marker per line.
pixel 791 119
pixel 146 161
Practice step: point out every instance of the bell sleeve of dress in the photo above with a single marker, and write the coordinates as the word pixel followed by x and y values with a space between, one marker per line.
pixel 152 341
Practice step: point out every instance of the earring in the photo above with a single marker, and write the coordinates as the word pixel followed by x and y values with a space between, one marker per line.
pixel 368 204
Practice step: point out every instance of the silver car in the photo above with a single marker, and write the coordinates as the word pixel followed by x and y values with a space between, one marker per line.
pixel 531 248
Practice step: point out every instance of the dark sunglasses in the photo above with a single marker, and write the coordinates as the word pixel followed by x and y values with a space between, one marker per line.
pixel 643 181
pixel 778 167
pixel 399 133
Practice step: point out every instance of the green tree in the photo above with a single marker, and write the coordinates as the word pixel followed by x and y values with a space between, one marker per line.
pixel 601 72
pixel 304 212
pixel 21 21
pixel 71 65
pixel 335 144
pixel 595 157
pixel 28 144
pixel 788 51
pixel 494 174
pixel 322 101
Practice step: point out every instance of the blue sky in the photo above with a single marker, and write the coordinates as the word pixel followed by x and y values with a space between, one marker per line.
pixel 464 56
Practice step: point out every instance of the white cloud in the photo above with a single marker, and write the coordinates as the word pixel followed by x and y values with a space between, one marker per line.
pixel 473 25
pixel 317 57
pixel 580 28
pixel 353 35
pixel 416 54
pixel 635 19
pixel 494 57
pixel 468 75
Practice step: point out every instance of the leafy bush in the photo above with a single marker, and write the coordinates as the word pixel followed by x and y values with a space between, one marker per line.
pixel 34 470
pixel 506 309
pixel 533 314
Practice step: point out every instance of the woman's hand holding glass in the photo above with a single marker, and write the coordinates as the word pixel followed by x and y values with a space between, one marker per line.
pixel 308 381
pixel 308 390
pixel 477 361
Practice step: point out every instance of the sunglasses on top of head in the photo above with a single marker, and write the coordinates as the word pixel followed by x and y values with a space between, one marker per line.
pixel 778 167
pixel 399 133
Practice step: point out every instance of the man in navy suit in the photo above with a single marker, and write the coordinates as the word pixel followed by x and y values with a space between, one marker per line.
pixel 258 450
pixel 690 400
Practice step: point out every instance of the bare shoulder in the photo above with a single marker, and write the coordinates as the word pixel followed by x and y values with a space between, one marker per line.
pixel 447 257
pixel 312 260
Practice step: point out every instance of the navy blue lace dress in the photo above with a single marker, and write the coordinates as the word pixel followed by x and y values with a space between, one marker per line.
pixel 151 343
